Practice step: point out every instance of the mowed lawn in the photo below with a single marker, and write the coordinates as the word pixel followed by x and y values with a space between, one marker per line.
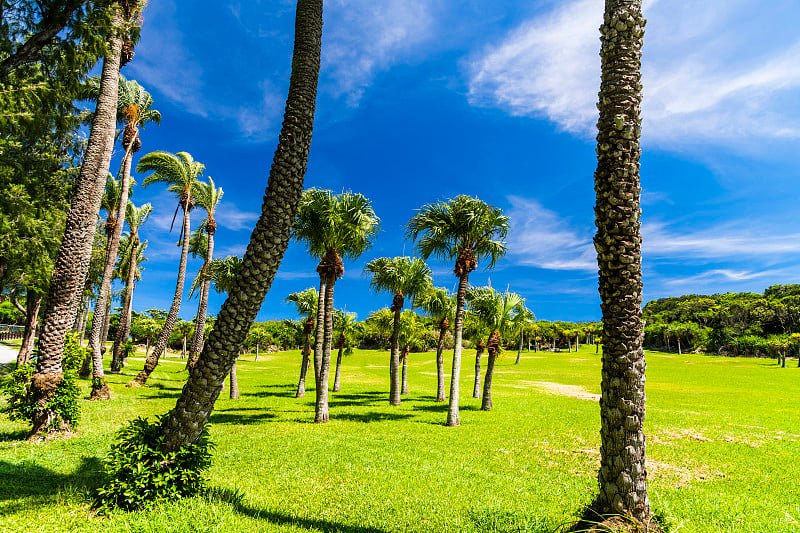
pixel 723 450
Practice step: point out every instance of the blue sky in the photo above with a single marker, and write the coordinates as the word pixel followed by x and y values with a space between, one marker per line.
pixel 421 100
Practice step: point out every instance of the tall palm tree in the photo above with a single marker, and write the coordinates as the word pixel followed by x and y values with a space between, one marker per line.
pixel 403 277
pixel 333 227
pixel 267 243
pixel 133 110
pixel 522 322
pixel 463 229
pixel 344 323
pixel 497 311
pixel 131 256
pixel 74 254
pixel 206 196
pixel 305 303
pixel 440 305
pixel 622 476
pixel 179 171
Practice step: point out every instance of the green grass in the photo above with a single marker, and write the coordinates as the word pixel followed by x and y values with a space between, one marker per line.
pixel 723 441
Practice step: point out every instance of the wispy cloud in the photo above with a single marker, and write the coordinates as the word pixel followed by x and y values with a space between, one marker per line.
pixel 722 275
pixel 231 217
pixel 716 71
pixel 288 275
pixel 365 37
pixel 541 238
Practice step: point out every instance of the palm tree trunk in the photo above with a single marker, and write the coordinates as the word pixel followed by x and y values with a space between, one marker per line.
pixel 267 243
pixel 147 347
pixel 404 389
pixel 124 328
pixel 486 402
pixel 183 347
pixel 234 394
pixel 318 340
pixel 202 309
pixel 31 320
pixel 440 366
pixel 99 332
pixel 72 262
pixel 678 337
pixel 476 389
pixel 453 418
pixel 321 415
pixel 152 360
pixel 258 349
pixel 337 377
pixel 301 385
pixel 622 475
pixel 519 349
pixel 394 359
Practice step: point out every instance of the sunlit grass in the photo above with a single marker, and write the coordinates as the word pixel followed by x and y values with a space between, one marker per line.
pixel 723 438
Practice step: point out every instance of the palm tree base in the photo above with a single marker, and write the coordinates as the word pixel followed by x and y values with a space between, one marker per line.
pixel 100 393
pixel 134 383
pixel 614 524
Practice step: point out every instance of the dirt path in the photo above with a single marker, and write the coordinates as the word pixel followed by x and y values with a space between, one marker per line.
pixel 8 354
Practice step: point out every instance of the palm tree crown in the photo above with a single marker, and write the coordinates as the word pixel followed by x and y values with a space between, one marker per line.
pixel 207 196
pixel 305 302
pixel 494 309
pixel 438 303
pixel 401 276
pixel 464 228
pixel 179 171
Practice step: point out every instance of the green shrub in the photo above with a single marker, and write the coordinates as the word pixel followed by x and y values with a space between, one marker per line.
pixel 139 472
pixel 64 403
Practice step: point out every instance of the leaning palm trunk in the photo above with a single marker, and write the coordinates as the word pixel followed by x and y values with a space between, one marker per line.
pixel 443 327
pixel 97 337
pixel 72 262
pixel 404 387
pixel 301 385
pixel 124 328
pixel 267 243
pixel 622 476
pixel 453 418
pixel 202 309
pixel 493 347
pixel 34 303
pixel 394 358
pixel 152 360
pixel 337 382
pixel 476 389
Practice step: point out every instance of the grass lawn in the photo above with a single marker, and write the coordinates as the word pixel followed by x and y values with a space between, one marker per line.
pixel 723 447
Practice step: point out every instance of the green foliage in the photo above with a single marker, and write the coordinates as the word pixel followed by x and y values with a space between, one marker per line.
pixel 64 402
pixel 139 472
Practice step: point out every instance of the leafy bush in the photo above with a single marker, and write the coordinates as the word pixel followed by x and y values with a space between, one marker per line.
pixel 139 472
pixel 64 402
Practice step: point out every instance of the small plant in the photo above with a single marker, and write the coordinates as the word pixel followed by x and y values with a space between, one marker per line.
pixel 139 472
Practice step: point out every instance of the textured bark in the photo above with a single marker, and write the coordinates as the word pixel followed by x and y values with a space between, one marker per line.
pixel 72 262
pixel 519 348
pixel 337 379
pixel 267 243
pixel 99 333
pixel 476 389
pixel 318 340
pixel 124 328
pixel 321 415
pixel 31 322
pixel 453 418
pixel 404 387
pixel 493 348
pixel 622 476
pixel 202 309
pixel 440 362
pixel 394 359
pixel 234 393
pixel 301 385
pixel 161 344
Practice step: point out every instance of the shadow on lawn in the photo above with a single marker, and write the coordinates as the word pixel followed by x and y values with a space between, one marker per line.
pixel 29 479
pixel 280 391
pixel 371 417
pixel 234 498
pixel 232 416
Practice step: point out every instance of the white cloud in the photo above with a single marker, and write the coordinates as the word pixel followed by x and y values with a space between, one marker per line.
pixel 540 238
pixel 231 217
pixel 364 37
pixel 722 275
pixel 716 71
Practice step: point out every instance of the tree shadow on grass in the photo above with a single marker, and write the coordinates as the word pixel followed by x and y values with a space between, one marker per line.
pixel 442 407
pixel 230 416
pixel 234 499
pixel 29 479
pixel 372 417
pixel 280 391
pixel 361 399
pixel 17 435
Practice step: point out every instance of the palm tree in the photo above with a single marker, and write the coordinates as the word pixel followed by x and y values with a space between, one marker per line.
pixel 344 323
pixel 412 334
pixel 497 311
pixel 305 303
pixel 179 171
pixel 403 277
pixel 134 250
pixel 334 227
pixel 463 229
pixel 440 305
pixel 267 243
pixel 382 321
pixel 207 197
pixel 622 476
pixel 522 322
